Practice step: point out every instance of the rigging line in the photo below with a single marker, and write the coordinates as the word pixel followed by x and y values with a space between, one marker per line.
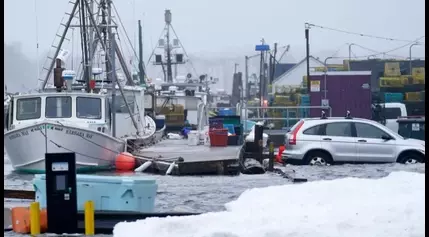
pixel 154 48
pixel 358 34
pixel 181 45
pixel 125 32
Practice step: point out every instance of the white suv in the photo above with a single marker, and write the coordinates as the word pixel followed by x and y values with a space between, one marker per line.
pixel 322 141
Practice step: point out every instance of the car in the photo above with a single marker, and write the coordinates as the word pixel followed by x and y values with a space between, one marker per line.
pixel 329 140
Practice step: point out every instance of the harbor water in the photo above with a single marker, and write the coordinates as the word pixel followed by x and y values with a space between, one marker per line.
pixel 207 194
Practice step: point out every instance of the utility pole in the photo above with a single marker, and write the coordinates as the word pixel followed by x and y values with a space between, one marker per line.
pixel 246 76
pixel 307 52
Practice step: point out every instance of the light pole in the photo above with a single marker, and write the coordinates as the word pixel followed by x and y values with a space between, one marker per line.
pixel 350 53
pixel 416 43
pixel 326 72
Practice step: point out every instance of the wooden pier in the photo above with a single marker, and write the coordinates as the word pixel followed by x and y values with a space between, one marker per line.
pixel 179 158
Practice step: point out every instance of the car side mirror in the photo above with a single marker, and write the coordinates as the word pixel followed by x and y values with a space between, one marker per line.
pixel 386 137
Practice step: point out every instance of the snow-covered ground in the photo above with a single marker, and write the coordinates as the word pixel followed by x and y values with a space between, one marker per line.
pixel 390 206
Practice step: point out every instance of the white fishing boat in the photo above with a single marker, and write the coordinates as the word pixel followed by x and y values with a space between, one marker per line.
pixel 60 122
pixel 77 112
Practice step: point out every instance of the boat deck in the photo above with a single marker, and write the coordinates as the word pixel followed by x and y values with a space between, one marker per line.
pixel 194 160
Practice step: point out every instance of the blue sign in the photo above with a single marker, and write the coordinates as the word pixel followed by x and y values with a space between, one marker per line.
pixel 262 47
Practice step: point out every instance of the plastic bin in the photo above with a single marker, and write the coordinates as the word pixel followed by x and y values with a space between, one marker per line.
pixel 109 193
pixel 193 138
pixel 393 97
pixel 218 137
pixel 159 121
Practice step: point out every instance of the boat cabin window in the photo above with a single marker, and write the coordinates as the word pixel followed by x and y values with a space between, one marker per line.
pixel 88 108
pixel 120 106
pixel 28 108
pixel 58 107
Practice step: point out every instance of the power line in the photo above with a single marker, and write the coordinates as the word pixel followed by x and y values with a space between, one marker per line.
pixel 309 25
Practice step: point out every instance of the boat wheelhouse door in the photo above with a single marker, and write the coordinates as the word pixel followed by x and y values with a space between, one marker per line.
pixel 9 115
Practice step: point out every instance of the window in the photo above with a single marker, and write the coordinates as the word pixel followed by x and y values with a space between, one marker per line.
pixel 313 130
pixel 392 113
pixel 120 106
pixel 340 129
pixel 88 108
pixel 369 131
pixel 58 107
pixel 28 108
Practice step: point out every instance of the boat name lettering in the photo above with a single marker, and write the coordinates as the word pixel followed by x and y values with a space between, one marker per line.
pixel 20 134
pixel 78 133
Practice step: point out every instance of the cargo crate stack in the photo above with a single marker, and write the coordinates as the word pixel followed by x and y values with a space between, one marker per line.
pixel 407 89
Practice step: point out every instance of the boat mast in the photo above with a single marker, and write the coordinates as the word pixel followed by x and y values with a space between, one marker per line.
pixel 167 17
pixel 84 44
pixel 141 69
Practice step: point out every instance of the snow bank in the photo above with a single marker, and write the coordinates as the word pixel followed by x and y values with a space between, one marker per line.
pixel 390 206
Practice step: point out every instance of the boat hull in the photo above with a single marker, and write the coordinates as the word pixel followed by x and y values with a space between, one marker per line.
pixel 26 147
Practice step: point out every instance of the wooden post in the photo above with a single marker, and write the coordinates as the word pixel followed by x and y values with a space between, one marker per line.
pixel 271 158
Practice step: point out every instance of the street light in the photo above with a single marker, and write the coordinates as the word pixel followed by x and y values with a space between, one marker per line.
pixel 350 53
pixel 326 72
pixel 416 43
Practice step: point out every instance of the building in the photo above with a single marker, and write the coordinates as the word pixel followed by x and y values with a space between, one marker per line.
pixel 294 75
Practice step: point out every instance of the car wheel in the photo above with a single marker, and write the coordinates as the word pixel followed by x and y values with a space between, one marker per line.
pixel 410 158
pixel 318 158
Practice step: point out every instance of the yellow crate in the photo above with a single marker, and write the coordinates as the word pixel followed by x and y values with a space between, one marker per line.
pixel 393 81
pixel 418 73
pixel 392 69
pixel 413 96
pixel 407 79
pixel 418 81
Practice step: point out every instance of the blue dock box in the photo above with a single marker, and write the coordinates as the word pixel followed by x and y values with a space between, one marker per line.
pixel 109 193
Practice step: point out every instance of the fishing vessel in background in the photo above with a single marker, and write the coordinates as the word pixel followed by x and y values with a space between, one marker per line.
pixel 179 98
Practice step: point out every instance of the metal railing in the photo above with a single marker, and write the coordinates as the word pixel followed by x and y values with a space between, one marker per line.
pixel 288 118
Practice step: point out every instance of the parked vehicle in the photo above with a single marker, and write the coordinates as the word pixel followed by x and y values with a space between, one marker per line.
pixel 323 141
pixel 392 111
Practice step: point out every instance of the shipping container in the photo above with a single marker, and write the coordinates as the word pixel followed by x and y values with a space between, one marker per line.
pixel 392 69
pixel 393 97
pixel 349 90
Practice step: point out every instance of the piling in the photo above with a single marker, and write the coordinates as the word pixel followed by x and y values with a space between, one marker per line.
pixel 35 218
pixel 271 158
pixel 89 218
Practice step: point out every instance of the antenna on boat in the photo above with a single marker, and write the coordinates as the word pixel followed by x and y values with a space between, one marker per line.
pixel 165 43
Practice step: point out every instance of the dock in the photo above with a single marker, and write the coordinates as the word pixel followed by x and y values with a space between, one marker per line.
pixel 183 159
pixel 105 221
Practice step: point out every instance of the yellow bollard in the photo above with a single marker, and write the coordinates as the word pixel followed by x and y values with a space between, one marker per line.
pixel 34 218
pixel 89 218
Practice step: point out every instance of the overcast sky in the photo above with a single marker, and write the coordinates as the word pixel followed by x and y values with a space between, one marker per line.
pixel 229 29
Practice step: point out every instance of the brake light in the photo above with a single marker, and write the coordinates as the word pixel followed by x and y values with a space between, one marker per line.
pixel 292 138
